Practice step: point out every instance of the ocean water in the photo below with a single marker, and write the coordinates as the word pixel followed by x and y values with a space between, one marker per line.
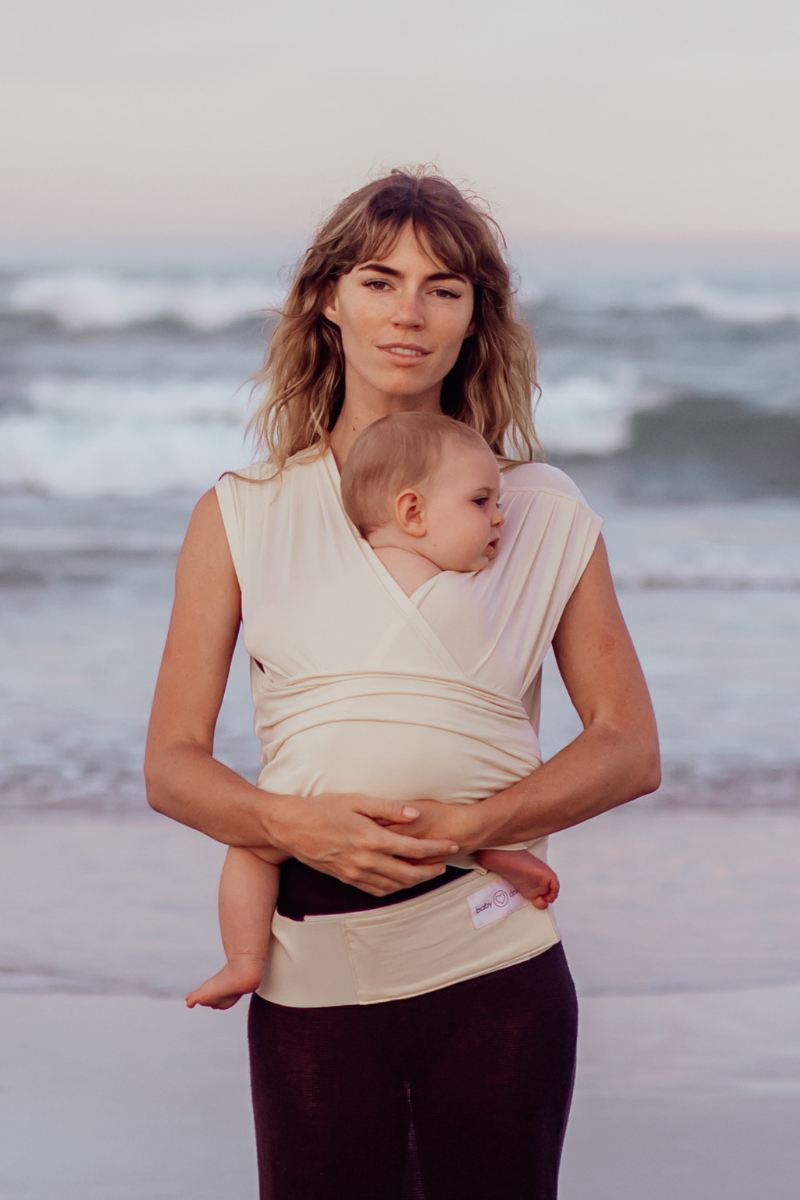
pixel 670 391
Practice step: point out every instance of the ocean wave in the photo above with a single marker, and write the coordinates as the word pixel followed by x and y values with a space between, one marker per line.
pixel 728 304
pixel 583 414
pixel 81 301
pixel 710 578
pixel 735 307
pixel 729 547
pixel 654 557
pixel 122 457
pixel 87 436
pixel 123 438
pixel 155 401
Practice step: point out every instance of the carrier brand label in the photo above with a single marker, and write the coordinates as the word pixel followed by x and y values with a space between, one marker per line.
pixel 493 902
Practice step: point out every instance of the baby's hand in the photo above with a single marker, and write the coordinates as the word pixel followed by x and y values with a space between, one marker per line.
pixel 532 877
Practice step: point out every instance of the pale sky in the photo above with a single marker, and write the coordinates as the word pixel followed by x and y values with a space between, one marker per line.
pixel 236 117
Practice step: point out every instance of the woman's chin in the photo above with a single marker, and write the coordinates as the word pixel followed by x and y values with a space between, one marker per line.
pixel 409 382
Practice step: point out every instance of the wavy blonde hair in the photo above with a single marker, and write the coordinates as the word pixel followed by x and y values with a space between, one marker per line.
pixel 493 382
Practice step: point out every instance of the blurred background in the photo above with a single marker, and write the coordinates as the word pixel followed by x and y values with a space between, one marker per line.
pixel 163 167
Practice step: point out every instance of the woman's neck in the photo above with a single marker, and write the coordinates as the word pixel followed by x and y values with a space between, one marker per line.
pixel 361 407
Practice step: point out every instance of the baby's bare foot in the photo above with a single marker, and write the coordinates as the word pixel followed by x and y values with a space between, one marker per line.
pixel 236 979
pixel 532 877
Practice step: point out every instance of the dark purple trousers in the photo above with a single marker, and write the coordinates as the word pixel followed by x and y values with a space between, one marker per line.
pixel 460 1094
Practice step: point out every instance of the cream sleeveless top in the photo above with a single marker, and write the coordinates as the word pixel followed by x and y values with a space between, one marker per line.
pixel 360 688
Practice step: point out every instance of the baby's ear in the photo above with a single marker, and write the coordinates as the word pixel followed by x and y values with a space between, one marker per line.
pixel 409 510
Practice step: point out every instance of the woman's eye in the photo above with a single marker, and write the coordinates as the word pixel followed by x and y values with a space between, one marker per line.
pixel 446 294
pixel 377 285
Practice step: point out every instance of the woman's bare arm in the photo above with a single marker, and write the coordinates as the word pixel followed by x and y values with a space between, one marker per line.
pixel 614 759
pixel 345 836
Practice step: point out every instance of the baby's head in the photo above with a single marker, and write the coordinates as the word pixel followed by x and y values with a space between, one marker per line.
pixel 426 483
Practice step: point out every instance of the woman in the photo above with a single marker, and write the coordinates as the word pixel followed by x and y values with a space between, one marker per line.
pixel 398 1048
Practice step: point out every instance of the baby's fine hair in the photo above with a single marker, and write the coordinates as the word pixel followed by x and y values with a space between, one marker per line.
pixel 399 451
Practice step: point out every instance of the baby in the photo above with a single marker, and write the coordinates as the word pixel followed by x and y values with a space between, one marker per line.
pixel 422 511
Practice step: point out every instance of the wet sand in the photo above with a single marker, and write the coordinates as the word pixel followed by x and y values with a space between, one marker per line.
pixel 133 1098
pixel 682 931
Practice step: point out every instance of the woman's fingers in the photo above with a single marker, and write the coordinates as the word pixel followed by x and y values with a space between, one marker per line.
pixel 385 881
pixel 357 865
pixel 407 847
pixel 342 835
pixel 402 845
pixel 390 812
pixel 382 876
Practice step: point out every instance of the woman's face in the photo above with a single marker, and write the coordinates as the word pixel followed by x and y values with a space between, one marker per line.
pixel 402 318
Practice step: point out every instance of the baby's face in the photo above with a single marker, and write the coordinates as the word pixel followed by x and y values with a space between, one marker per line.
pixel 463 516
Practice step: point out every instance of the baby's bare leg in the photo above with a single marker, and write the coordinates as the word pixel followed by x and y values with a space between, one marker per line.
pixel 530 875
pixel 248 892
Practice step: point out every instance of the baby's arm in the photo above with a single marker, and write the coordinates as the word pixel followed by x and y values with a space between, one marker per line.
pixel 248 893
pixel 532 877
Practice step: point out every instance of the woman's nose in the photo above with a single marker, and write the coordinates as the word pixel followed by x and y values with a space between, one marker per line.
pixel 408 311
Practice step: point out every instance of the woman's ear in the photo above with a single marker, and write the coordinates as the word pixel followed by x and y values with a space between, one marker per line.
pixel 331 308
pixel 409 513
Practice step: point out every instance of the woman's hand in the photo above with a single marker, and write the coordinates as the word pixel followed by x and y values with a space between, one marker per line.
pixel 461 822
pixel 360 840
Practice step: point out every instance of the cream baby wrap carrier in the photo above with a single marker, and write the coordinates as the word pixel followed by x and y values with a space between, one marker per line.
pixel 359 688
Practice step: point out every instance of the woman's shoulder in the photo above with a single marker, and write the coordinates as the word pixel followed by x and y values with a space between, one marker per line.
pixel 252 495
pixel 265 471
pixel 543 505
pixel 541 477
pixel 259 472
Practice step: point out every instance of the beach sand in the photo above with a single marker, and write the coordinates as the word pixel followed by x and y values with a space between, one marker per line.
pixel 123 1098
pixel 133 1098
pixel 680 925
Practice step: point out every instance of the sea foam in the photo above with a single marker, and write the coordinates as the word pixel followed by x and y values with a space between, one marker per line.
pixel 585 414
pixel 736 307
pixel 84 300
pixel 106 437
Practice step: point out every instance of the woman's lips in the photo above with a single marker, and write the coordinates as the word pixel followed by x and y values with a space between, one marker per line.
pixel 403 354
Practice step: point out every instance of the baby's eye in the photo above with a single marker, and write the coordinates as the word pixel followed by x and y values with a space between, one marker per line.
pixel 482 501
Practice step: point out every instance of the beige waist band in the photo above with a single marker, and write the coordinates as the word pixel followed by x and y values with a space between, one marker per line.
pixel 467 928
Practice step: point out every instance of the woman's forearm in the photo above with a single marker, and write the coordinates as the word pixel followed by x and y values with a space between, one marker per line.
pixel 601 769
pixel 344 835
pixel 187 784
